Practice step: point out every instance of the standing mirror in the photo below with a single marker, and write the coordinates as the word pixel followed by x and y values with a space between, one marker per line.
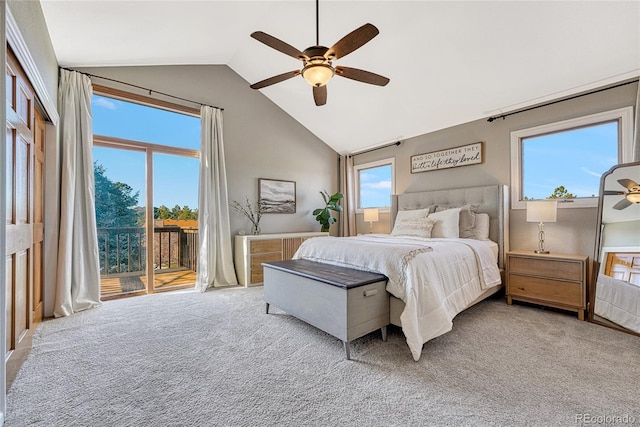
pixel 615 289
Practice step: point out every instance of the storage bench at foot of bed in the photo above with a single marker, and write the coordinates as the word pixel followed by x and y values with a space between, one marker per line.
pixel 343 302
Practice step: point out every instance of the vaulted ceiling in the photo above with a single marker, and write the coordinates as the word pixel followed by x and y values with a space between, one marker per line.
pixel 449 62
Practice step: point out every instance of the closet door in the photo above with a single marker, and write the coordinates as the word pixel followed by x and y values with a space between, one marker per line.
pixel 24 197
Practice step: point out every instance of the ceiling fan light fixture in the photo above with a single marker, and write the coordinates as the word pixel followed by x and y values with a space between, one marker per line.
pixel 317 74
pixel 633 197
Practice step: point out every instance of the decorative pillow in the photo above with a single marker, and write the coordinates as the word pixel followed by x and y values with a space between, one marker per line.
pixel 447 223
pixel 482 227
pixel 418 227
pixel 467 221
pixel 412 214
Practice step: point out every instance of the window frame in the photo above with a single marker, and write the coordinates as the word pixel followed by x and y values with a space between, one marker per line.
pixel 624 117
pixel 369 165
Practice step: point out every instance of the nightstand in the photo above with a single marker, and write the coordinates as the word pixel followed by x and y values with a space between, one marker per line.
pixel 554 280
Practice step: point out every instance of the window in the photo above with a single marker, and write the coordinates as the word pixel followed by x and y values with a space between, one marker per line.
pixel 146 172
pixel 374 184
pixel 566 159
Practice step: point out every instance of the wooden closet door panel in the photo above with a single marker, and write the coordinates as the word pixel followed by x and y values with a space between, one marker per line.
pixel 9 175
pixel 21 306
pixel 21 241
pixel 38 218
pixel 8 316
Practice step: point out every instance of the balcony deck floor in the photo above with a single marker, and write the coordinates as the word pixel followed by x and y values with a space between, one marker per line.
pixel 114 285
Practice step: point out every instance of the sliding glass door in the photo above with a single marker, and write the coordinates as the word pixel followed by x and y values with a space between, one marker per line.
pixel 120 183
pixel 146 163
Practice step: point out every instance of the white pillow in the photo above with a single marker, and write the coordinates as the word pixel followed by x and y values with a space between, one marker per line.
pixel 412 214
pixel 418 227
pixel 446 223
pixel 482 226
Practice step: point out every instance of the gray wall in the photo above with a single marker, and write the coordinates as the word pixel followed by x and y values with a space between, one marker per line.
pixel 574 232
pixel 261 140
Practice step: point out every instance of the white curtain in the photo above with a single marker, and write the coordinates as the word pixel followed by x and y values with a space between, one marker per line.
pixel 636 135
pixel 78 266
pixel 215 259
pixel 348 215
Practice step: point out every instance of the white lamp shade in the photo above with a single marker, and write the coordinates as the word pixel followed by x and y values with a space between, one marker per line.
pixel 371 214
pixel 542 211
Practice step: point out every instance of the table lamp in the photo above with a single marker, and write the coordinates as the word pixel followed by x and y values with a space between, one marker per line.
pixel 541 211
pixel 371 216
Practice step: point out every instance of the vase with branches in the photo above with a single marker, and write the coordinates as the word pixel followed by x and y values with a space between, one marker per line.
pixel 252 212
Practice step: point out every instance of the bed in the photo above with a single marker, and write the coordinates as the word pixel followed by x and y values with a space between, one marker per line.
pixel 430 280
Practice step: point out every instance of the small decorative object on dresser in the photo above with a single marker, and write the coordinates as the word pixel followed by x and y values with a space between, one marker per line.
pixel 554 280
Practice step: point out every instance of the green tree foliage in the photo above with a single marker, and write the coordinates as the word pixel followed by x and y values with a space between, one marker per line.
pixel 177 212
pixel 561 193
pixel 118 220
pixel 115 201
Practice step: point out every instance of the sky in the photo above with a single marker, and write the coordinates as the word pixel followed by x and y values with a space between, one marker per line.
pixel 375 187
pixel 575 159
pixel 175 177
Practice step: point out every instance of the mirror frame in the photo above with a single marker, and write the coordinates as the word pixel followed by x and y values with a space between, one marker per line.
pixel 597 252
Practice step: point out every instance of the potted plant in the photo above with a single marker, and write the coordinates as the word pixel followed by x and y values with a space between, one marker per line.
pixel 323 215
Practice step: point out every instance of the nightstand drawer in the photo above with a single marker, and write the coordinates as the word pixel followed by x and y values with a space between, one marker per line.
pixel 555 269
pixel 559 292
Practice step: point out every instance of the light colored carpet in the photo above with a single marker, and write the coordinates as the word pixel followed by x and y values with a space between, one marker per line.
pixel 216 359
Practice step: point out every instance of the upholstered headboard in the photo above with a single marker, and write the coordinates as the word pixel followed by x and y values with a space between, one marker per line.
pixel 492 199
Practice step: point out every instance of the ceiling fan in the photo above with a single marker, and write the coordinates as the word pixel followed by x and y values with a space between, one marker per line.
pixel 631 196
pixel 317 60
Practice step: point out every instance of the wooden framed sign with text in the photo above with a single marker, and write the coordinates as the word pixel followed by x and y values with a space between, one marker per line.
pixel 450 158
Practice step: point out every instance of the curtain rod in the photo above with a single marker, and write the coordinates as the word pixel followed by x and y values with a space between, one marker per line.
pixel 503 116
pixel 150 91
pixel 376 148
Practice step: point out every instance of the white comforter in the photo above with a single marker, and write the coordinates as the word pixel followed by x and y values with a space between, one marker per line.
pixel 618 301
pixel 435 278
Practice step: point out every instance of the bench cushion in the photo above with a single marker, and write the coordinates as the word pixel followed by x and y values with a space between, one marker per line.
pixel 342 277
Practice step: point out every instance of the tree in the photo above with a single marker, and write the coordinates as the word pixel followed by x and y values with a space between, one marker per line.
pixel 115 202
pixel 561 193
pixel 116 207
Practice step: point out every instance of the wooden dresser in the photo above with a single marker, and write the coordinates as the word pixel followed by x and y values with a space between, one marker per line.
pixel 554 280
pixel 252 250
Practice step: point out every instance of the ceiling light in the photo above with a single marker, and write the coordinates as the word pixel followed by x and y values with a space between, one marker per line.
pixel 317 74
pixel 633 197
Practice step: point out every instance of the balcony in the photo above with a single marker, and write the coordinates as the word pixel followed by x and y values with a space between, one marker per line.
pixel 123 252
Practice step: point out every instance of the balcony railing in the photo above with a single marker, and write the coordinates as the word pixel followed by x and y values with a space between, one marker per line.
pixel 122 250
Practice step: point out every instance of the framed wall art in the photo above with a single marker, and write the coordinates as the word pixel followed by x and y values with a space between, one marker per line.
pixel 464 155
pixel 277 196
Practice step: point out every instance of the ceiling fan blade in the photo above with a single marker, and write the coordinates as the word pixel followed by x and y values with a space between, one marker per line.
pixel 622 204
pixel 613 193
pixel 275 79
pixel 362 76
pixel 278 45
pixel 628 183
pixel 352 41
pixel 320 95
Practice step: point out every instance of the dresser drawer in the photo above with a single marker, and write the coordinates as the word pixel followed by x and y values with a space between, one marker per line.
pixel 256 264
pixel 261 246
pixel 555 269
pixel 553 291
